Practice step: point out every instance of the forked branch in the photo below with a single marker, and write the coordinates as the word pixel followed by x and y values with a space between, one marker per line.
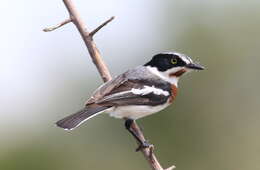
pixel 103 70
pixel 101 26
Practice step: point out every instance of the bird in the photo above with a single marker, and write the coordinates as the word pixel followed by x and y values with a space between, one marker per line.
pixel 138 92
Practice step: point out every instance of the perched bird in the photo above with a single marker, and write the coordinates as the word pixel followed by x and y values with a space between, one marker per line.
pixel 138 92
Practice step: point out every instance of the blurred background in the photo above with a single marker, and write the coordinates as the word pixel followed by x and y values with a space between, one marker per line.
pixel 213 124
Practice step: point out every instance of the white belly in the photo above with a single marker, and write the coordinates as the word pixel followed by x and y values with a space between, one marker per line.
pixel 135 111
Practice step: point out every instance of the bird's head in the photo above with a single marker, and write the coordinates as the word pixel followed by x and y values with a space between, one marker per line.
pixel 170 66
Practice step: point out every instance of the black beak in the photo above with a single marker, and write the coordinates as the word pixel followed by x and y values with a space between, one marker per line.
pixel 195 66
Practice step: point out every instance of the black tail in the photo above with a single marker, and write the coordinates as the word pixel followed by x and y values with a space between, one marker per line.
pixel 74 120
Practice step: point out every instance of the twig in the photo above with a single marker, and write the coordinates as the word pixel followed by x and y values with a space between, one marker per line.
pixel 101 26
pixel 92 49
pixel 104 72
pixel 48 29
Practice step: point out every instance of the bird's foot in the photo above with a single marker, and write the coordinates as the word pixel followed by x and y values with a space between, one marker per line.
pixel 143 145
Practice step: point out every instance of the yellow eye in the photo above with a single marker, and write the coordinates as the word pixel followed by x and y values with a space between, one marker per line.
pixel 174 61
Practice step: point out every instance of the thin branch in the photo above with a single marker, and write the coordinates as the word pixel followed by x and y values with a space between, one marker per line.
pixel 101 26
pixel 105 74
pixel 48 29
pixel 92 49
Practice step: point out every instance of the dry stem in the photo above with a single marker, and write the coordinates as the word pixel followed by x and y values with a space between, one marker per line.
pixel 48 29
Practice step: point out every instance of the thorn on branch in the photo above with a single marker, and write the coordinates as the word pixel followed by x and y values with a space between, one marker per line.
pixel 151 151
pixel 171 168
pixel 48 29
pixel 91 34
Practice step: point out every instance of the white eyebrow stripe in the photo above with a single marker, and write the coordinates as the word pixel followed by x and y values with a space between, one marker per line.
pixel 186 59
pixel 148 89
pixel 189 59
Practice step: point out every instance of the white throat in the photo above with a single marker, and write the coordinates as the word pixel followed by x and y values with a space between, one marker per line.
pixel 164 75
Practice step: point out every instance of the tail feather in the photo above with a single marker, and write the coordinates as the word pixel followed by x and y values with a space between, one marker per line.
pixel 74 120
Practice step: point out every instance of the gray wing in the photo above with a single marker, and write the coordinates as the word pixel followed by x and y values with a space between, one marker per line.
pixel 119 91
pixel 106 88
pixel 135 92
pixel 109 86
